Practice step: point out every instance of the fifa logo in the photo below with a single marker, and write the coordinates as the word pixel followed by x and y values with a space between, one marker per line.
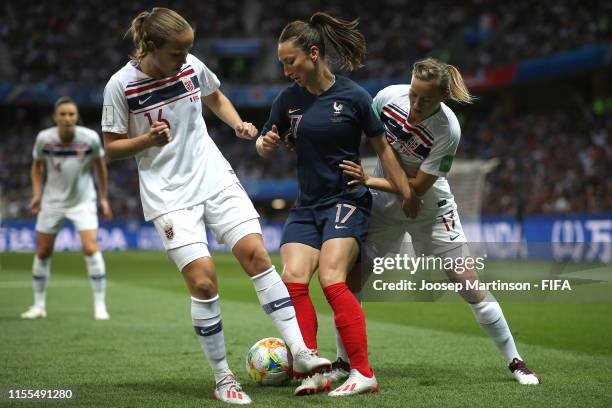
pixel 337 108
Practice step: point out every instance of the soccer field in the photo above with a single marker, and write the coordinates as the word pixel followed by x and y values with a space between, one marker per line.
pixel 146 355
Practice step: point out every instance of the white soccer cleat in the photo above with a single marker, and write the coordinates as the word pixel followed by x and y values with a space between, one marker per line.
pixel 340 370
pixel 101 314
pixel 522 373
pixel 307 362
pixel 356 384
pixel 313 385
pixel 34 312
pixel 229 390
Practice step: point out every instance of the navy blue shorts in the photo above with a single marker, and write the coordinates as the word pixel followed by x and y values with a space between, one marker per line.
pixel 313 225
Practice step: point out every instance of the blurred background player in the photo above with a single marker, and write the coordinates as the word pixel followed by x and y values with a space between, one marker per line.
pixel 425 134
pixel 153 112
pixel 323 116
pixel 63 158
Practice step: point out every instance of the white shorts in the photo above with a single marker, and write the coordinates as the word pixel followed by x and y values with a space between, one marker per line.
pixel 84 217
pixel 229 214
pixel 432 233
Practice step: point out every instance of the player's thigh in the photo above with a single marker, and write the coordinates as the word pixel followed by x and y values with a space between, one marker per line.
pixel 89 241
pixel 44 244
pixel 338 256
pixel 49 221
pixel 300 261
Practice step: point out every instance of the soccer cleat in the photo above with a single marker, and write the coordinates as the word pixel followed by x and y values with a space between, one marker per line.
pixel 339 371
pixel 229 390
pixel 312 385
pixel 522 373
pixel 356 384
pixel 307 362
pixel 34 312
pixel 101 313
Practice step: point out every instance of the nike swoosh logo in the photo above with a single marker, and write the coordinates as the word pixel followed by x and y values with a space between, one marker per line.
pixel 277 305
pixel 454 238
pixel 293 110
pixel 340 226
pixel 144 100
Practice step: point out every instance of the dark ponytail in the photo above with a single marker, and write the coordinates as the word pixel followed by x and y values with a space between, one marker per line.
pixel 342 35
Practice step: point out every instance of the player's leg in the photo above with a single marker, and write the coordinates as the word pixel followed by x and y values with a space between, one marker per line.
pixel 275 300
pixel 448 240
pixel 48 223
pixel 96 270
pixel 338 255
pixel 41 270
pixel 184 237
pixel 85 219
pixel 234 221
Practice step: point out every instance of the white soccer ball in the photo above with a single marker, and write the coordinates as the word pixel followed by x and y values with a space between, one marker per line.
pixel 268 362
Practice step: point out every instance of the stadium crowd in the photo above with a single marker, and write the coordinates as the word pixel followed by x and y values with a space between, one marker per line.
pixel 555 162
pixel 65 41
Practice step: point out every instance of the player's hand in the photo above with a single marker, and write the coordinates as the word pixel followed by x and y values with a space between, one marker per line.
pixel 412 204
pixel 268 143
pixel 107 213
pixel 355 170
pixel 35 205
pixel 246 130
pixel 159 134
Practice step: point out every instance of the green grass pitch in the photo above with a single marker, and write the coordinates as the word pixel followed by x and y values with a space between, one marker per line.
pixel 424 354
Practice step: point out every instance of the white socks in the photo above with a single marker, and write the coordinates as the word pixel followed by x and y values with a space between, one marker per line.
pixel 491 318
pixel 40 276
pixel 206 317
pixel 96 269
pixel 276 302
pixel 340 351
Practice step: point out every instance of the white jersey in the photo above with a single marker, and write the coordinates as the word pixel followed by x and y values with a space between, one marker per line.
pixel 68 180
pixel 190 168
pixel 429 145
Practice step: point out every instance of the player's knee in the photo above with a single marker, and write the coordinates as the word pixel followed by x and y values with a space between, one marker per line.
pixel 330 276
pixel 204 286
pixel 259 259
pixel 293 274
pixel 44 251
pixel 90 248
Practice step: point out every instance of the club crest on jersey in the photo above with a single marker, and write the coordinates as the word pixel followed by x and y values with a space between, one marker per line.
pixel 188 84
pixel 337 108
pixel 169 232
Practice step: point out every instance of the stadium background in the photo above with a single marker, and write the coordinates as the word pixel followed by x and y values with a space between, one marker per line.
pixel 542 76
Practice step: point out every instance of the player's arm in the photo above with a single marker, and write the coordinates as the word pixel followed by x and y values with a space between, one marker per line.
pixel 222 107
pixel 37 172
pixel 397 175
pixel 102 175
pixel 421 183
pixel 120 146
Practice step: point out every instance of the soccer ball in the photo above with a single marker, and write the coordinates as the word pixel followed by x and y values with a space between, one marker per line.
pixel 268 362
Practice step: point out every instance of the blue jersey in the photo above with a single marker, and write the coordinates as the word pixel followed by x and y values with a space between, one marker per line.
pixel 327 129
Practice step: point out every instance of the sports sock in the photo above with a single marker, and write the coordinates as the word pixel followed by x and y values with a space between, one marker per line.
pixel 350 322
pixel 206 317
pixel 489 315
pixel 340 351
pixel 305 312
pixel 276 302
pixel 41 270
pixel 96 269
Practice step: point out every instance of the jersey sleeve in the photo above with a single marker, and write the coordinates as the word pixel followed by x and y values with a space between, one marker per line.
pixel 38 147
pixel 277 117
pixel 115 110
pixel 209 82
pixel 442 154
pixel 368 119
